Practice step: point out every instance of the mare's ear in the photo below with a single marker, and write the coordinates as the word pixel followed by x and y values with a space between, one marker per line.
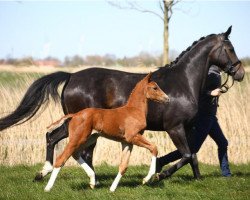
pixel 227 33
pixel 148 77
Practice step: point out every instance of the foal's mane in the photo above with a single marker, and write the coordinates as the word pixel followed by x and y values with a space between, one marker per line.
pixel 187 50
pixel 135 88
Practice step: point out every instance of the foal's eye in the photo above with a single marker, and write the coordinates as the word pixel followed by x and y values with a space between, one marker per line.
pixel 155 88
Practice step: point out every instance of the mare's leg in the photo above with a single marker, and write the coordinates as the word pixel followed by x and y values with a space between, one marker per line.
pixel 87 155
pixel 126 152
pixel 195 141
pixel 178 137
pixel 195 166
pixel 141 141
pixel 51 140
pixel 203 126
pixel 91 142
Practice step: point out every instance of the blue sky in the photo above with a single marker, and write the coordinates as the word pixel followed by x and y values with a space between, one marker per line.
pixel 67 28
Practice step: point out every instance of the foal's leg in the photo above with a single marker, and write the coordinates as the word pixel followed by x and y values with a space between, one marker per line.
pixel 141 141
pixel 126 152
pixel 76 139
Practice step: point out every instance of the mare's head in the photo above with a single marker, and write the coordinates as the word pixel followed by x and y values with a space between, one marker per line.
pixel 224 56
pixel 153 91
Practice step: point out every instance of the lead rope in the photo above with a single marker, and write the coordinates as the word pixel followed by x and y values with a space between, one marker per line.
pixel 224 87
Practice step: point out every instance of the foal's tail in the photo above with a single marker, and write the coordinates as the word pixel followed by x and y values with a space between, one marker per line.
pixel 58 123
pixel 37 94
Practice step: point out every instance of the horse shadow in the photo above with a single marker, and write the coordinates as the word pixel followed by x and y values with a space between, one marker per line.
pixel 135 180
pixel 238 174
pixel 129 181
pixel 186 179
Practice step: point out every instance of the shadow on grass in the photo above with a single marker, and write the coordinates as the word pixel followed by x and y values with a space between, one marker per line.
pixel 218 175
pixel 106 180
pixel 241 174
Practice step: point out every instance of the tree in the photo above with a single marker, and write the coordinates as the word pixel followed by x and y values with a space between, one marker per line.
pixel 166 7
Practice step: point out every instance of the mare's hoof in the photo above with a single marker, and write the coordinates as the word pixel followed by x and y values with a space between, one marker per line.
pixel 97 183
pixel 197 177
pixel 156 178
pixel 144 181
pixel 92 186
pixel 39 177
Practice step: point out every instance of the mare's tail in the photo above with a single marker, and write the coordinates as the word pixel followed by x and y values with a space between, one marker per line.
pixel 37 94
pixel 58 123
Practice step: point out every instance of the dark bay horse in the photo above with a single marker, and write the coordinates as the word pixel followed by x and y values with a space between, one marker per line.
pixel 182 80
pixel 125 124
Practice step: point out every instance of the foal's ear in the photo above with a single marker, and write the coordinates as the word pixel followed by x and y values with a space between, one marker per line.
pixel 148 77
pixel 227 33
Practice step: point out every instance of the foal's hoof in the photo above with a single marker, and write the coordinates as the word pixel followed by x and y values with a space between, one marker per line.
pixel 144 181
pixel 39 177
pixel 92 186
pixel 47 189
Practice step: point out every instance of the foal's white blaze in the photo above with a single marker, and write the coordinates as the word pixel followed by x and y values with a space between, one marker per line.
pixel 52 179
pixel 116 181
pixel 89 171
pixel 151 171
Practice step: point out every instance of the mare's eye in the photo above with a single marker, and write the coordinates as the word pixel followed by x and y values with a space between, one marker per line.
pixel 231 50
pixel 155 88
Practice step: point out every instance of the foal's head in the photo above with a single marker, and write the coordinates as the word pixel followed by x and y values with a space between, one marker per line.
pixel 153 91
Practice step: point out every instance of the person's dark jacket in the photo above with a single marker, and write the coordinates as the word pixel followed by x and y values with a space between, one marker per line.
pixel 207 103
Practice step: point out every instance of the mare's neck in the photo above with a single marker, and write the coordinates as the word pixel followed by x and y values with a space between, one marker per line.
pixel 195 68
pixel 138 99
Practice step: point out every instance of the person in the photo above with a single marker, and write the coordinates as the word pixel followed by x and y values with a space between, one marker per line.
pixel 206 123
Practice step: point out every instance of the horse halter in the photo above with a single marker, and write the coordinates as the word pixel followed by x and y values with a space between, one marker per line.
pixel 232 67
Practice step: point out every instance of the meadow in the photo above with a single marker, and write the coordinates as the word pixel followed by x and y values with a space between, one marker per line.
pixel 72 183
pixel 25 144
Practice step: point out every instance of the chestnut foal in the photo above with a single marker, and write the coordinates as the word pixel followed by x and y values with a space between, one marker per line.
pixel 125 124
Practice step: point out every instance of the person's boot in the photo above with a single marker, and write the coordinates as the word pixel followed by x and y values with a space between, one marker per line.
pixel 224 165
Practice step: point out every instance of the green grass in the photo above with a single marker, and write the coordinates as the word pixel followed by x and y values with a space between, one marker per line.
pixel 17 79
pixel 72 183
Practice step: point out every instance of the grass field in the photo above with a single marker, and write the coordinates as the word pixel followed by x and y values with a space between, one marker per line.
pixel 72 183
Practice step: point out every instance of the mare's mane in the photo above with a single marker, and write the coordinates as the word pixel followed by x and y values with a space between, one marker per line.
pixel 187 50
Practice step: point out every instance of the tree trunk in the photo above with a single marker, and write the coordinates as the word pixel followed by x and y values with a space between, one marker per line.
pixel 165 32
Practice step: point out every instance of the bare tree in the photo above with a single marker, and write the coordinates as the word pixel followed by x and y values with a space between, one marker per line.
pixel 166 7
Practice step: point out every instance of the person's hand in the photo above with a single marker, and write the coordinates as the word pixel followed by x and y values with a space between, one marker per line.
pixel 216 92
